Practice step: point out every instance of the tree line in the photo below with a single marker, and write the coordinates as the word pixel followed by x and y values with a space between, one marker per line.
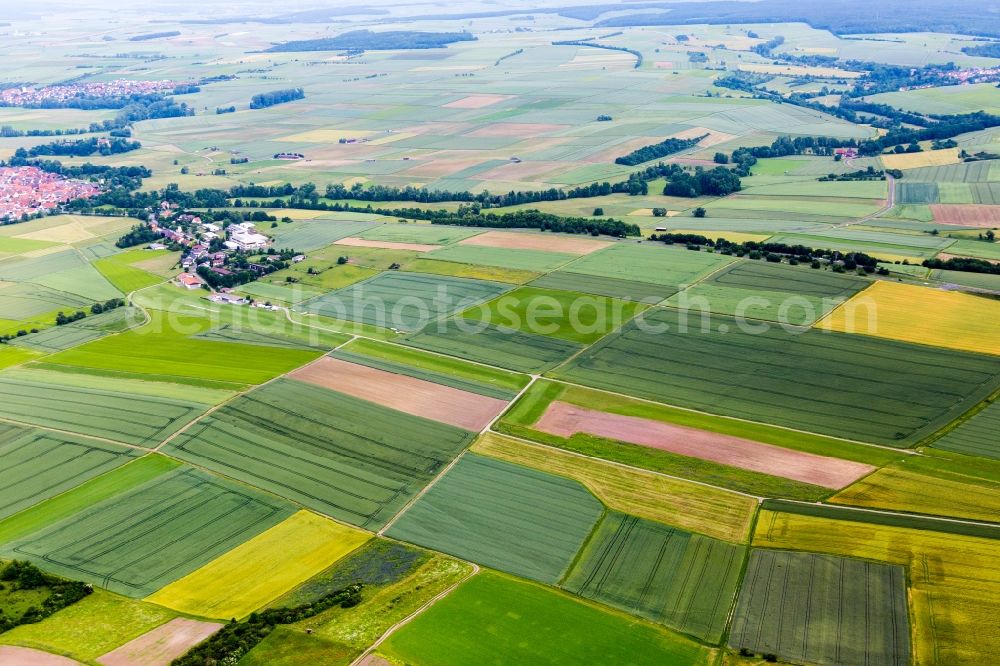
pixel 79 148
pixel 264 100
pixel 658 150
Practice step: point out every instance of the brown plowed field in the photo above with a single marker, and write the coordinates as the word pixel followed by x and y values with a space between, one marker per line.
pixel 564 420
pixel 162 645
pixel 526 241
pixel 405 394
pixel 20 656
pixel 967 215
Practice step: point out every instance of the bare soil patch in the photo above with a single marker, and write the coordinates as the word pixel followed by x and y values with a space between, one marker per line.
pixel 162 645
pixel 405 394
pixel 526 241
pixel 477 101
pixel 11 655
pixel 565 420
pixel 387 245
pixel 967 215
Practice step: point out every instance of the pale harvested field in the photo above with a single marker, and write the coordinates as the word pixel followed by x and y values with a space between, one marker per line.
pixel 520 130
pixel 477 101
pixel 444 165
pixel 945 256
pixel 386 245
pixel 405 394
pixel 967 215
pixel 526 241
pixel 20 656
pixel 521 171
pixel 162 645
pixel 663 64
pixel 564 420
pixel 71 232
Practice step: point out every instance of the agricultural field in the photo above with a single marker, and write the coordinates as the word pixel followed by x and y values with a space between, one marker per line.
pixel 504 516
pixel 711 511
pixel 682 580
pixel 39 465
pixel 796 295
pixel 526 446
pixel 975 435
pixel 951 604
pixel 521 618
pixel 351 459
pixel 947 319
pixel 142 539
pixel 953 486
pixel 792 604
pixel 288 553
pixel 445 370
pixel 494 345
pixel 567 315
pixel 406 301
pixel 786 380
pixel 113 415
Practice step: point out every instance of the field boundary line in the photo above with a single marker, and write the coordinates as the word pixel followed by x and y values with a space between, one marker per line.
pixel 433 482
pixel 412 616
pixel 240 394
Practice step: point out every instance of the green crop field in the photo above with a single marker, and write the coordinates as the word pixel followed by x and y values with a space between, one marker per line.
pixel 529 624
pixel 406 301
pixel 504 516
pixel 654 264
pixel 136 542
pixel 38 465
pixel 685 581
pixel 308 235
pixel 796 295
pixel 25 300
pixel 165 348
pixel 346 457
pixel 58 338
pixel 975 436
pixel 856 387
pixel 573 316
pixel 525 260
pixel 431 234
pixel 95 490
pixel 262 290
pixel 120 269
pixel 493 345
pixel 632 290
pixel 823 609
pixel 124 417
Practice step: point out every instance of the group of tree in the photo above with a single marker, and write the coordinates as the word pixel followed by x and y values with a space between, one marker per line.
pixel 964 264
pixel 140 234
pixel 264 100
pixel 236 639
pixel 769 250
pixel 472 216
pixel 79 148
pixel 984 50
pixel 658 150
pixel 717 182
pixel 366 40
pixel 23 577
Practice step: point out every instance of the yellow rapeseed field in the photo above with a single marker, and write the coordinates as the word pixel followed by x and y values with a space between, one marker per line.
pixel 925 158
pixel 262 569
pixel 922 315
pixel 954 588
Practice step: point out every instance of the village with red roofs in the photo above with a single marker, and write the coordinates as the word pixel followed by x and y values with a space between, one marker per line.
pixel 28 191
